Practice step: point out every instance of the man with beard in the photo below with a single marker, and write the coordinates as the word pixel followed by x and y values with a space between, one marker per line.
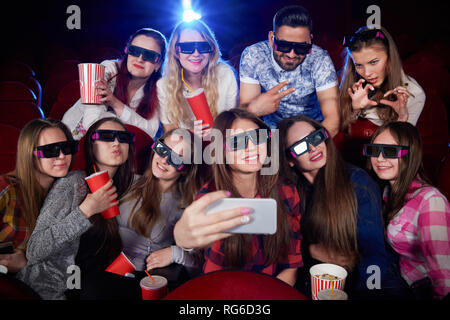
pixel 287 75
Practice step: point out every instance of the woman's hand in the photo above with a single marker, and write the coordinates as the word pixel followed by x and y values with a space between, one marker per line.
pixel 196 229
pixel 159 259
pixel 202 130
pixel 108 98
pixel 15 261
pixel 399 105
pixel 360 95
pixel 100 200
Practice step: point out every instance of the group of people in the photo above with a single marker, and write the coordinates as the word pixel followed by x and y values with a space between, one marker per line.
pixel 387 214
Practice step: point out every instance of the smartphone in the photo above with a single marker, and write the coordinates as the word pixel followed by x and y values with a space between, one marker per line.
pixel 6 247
pixel 263 214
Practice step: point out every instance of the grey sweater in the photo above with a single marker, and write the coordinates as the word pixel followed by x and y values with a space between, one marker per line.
pixel 161 235
pixel 54 242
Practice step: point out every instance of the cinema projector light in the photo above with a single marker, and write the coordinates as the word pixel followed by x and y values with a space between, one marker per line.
pixel 191 15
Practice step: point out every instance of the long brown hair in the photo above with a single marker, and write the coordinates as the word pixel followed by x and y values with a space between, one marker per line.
pixel 122 180
pixel 149 102
pixel 366 38
pixel 147 192
pixel 32 193
pixel 410 166
pixel 331 218
pixel 238 247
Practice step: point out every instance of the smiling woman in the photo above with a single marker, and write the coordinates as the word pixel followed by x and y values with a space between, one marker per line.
pixel 193 62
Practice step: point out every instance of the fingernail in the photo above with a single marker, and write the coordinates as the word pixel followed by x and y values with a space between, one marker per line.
pixel 245 219
pixel 228 193
pixel 245 211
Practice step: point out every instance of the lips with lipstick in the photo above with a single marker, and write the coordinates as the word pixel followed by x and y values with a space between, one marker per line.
pixel 138 66
pixel 316 157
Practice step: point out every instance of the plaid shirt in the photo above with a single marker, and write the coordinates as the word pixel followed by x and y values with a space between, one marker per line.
pixel 214 256
pixel 12 223
pixel 420 233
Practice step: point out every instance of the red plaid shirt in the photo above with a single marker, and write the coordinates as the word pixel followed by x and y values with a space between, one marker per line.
pixel 215 258
pixel 12 223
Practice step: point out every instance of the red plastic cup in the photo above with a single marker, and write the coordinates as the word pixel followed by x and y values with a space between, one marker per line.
pixel 199 105
pixel 97 180
pixel 121 265
pixel 90 74
pixel 153 290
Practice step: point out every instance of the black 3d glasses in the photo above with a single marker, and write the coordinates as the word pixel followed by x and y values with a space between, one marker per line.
pixel 388 150
pixel 302 48
pixel 240 141
pixel 111 135
pixel 302 146
pixel 189 47
pixel 174 159
pixel 53 150
pixel 147 55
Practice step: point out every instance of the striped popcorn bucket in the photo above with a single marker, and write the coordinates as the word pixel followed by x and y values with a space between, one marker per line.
pixel 320 279
pixel 90 74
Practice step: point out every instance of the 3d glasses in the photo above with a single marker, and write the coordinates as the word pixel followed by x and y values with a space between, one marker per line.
pixel 53 150
pixel 111 135
pixel 147 55
pixel 189 47
pixel 388 150
pixel 302 48
pixel 174 159
pixel 240 141
pixel 302 146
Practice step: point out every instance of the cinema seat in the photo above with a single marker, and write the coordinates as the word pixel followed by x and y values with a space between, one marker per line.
pixel 19 113
pixel 142 148
pixel 16 91
pixel 235 285
pixel 8 147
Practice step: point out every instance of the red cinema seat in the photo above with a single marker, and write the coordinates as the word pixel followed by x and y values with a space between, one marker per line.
pixel 19 113
pixel 59 108
pixel 142 148
pixel 68 72
pixel 16 91
pixel 16 70
pixel 235 285
pixel 14 289
pixel 79 163
pixel 9 136
pixel 70 92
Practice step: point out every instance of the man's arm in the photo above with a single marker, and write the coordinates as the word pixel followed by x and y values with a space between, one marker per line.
pixel 329 105
pixel 265 103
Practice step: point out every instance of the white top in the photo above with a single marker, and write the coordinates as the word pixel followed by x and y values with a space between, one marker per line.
pixel 80 116
pixel 228 95
pixel 415 104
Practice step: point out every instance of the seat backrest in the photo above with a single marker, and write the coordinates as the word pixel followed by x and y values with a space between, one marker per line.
pixel 235 285
pixel 79 163
pixel 18 113
pixel 70 92
pixel 142 148
pixel 16 91
pixel 9 136
pixel 58 109
pixel 15 70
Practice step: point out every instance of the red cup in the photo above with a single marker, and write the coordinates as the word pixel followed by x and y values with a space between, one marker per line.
pixel 97 180
pixel 121 265
pixel 199 105
pixel 90 74
pixel 155 289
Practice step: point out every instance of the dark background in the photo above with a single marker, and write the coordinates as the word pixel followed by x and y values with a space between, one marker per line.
pixel 31 31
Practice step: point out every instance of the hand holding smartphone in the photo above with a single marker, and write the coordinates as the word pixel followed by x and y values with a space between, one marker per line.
pixel 263 214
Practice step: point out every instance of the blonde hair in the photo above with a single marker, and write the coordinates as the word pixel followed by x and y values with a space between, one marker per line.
pixel 394 76
pixel 32 192
pixel 178 108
